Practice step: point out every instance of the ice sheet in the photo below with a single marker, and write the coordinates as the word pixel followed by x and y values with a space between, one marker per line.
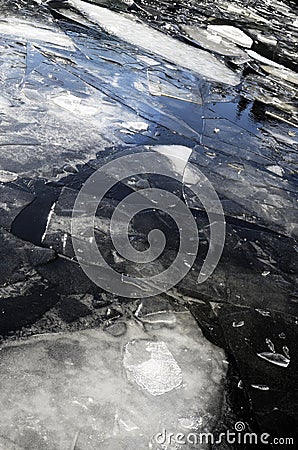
pixel 60 106
pixel 153 41
pixel 29 31
pixel 75 387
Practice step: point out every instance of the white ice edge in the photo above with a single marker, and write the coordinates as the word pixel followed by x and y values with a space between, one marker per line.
pixel 263 60
pixel 31 32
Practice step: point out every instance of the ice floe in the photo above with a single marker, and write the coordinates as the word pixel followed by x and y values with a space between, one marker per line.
pixel 33 32
pixel 233 34
pixel 136 33
pixel 95 389
pixel 213 41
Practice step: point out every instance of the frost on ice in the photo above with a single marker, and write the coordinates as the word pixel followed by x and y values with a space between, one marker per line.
pixel 159 373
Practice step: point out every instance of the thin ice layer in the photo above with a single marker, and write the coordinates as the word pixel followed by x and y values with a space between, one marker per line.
pixel 51 118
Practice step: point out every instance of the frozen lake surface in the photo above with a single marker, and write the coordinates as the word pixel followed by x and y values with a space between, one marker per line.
pixel 82 83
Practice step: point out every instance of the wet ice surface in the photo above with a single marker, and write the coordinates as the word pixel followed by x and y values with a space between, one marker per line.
pixel 82 82
pixel 102 389
pixel 73 96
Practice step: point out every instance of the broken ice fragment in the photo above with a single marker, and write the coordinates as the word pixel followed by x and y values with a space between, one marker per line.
pixel 262 59
pixel 32 32
pixel 233 34
pixel 265 273
pixel 116 329
pixel 169 84
pixel 261 387
pixel 6 176
pixel 269 40
pixel 270 345
pixel 263 313
pixel 135 126
pixel 286 351
pixel 276 169
pixel 178 155
pixel 212 41
pixel 136 33
pixel 159 318
pixel 158 373
pixel 282 73
pixel 286 107
pixel 75 104
pixel 275 358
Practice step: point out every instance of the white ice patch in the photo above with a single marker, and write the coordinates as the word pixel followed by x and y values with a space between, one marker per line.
pixel 94 395
pixel 261 387
pixel 48 221
pixel 148 61
pixel 135 126
pixel 282 73
pixel 212 41
pixel 232 33
pixel 159 373
pixel 4 102
pixel 141 35
pixel 262 59
pixel 30 32
pixel 177 154
pixel 6 176
pixel 75 104
pixel 269 40
pixel 277 170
